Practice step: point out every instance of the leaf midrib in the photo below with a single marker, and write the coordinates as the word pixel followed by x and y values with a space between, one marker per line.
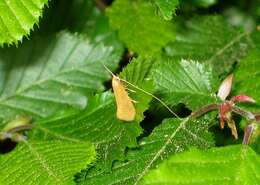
pixel 42 162
pixel 228 45
pixel 162 149
pixel 39 82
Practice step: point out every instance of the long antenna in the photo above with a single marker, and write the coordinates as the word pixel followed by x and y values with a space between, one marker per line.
pixel 108 70
pixel 150 94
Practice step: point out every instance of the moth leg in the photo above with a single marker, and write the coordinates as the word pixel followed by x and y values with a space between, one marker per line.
pixel 134 101
pixel 131 90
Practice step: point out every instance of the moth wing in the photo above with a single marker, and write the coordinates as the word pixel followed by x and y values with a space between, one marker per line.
pixel 125 108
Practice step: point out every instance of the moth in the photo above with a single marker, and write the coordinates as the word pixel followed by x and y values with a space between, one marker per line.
pixel 125 107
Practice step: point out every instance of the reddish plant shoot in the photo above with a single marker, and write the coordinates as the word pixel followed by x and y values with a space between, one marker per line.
pixel 228 106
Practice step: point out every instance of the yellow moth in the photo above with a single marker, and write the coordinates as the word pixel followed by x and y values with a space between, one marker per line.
pixel 125 107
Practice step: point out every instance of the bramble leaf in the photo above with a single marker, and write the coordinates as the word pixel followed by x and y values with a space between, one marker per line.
pixel 227 165
pixel 211 40
pixel 46 75
pixel 166 7
pixel 17 18
pixel 187 82
pixel 172 136
pixel 119 134
pixel 97 124
pixel 142 31
pixel 45 162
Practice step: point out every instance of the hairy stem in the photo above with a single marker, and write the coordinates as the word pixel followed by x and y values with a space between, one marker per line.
pixel 205 109
pixel 243 113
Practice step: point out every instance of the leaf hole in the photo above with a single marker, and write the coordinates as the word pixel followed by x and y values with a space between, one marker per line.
pixel 7 145
pixel 154 117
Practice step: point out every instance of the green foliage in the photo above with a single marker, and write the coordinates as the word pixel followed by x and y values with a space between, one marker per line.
pixel 66 14
pixel 98 124
pixel 48 74
pixel 172 136
pixel 166 8
pixel 204 3
pixel 79 16
pixel 17 18
pixel 142 31
pixel 247 75
pixel 112 136
pixel 45 162
pixel 187 82
pixel 228 165
pixel 56 97
pixel 211 40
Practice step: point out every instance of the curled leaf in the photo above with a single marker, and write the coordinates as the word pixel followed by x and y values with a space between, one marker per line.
pixel 19 123
pixel 12 129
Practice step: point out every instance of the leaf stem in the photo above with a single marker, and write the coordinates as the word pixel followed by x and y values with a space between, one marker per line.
pixel 243 113
pixel 248 133
pixel 205 109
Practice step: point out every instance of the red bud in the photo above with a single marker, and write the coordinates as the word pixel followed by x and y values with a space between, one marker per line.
pixel 242 98
pixel 225 87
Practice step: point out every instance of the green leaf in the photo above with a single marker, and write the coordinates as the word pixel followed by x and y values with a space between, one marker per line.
pixel 256 145
pixel 227 165
pixel 45 162
pixel 19 121
pixel 17 18
pixel 247 77
pixel 98 124
pixel 139 27
pixel 211 40
pixel 49 74
pixel 256 39
pixel 204 3
pixel 120 134
pixel 166 7
pixel 187 82
pixel 172 136
pixel 81 17
pixel 66 14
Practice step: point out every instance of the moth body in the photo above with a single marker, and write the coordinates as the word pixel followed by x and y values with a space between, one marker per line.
pixel 125 107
